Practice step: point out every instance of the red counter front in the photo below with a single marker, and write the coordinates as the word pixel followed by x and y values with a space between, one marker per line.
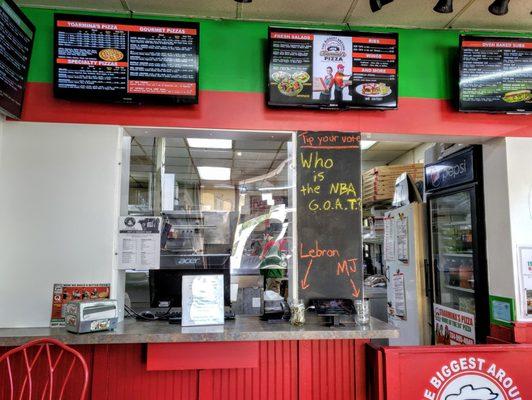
pixel 285 370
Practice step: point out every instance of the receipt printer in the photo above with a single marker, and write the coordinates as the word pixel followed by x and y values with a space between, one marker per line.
pixel 91 316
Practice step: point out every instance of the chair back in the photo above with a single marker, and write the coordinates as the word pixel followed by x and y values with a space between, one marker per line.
pixel 43 369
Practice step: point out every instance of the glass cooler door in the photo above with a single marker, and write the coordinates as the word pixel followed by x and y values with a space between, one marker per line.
pixel 452 222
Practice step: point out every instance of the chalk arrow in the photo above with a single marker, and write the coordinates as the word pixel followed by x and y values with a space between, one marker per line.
pixel 356 291
pixel 304 283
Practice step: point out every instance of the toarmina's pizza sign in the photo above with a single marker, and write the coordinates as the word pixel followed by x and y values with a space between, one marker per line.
pixel 471 378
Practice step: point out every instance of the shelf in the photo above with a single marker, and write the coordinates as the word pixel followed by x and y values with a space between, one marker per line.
pixel 467 255
pixel 458 223
pixel 373 240
pixel 460 289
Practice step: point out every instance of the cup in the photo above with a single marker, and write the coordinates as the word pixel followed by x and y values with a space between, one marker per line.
pixel 362 312
pixel 297 313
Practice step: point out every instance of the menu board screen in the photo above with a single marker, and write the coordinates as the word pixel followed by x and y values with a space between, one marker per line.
pixel 332 69
pixel 126 60
pixel 16 40
pixel 495 74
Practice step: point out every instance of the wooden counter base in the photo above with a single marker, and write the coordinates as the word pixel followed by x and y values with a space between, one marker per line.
pixel 245 359
pixel 286 370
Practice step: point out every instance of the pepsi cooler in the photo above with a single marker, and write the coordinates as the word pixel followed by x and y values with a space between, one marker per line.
pixel 457 270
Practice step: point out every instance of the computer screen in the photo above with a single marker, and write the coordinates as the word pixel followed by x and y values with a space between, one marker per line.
pixel 166 285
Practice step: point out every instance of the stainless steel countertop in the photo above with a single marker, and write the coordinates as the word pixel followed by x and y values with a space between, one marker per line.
pixel 241 329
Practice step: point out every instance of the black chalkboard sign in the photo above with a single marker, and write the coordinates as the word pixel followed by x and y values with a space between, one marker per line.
pixel 329 215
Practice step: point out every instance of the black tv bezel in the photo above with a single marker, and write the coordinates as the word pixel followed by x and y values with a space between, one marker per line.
pixel 340 106
pixel 30 25
pixel 460 65
pixel 136 99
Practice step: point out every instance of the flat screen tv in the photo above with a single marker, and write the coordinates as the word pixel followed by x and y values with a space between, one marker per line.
pixel 495 74
pixel 16 41
pixel 125 60
pixel 332 69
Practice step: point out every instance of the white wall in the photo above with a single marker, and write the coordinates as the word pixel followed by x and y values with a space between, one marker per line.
pixel 413 156
pixel 519 152
pixel 508 195
pixel 59 203
pixel 497 210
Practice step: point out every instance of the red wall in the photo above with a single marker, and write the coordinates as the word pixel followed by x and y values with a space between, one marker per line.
pixel 248 111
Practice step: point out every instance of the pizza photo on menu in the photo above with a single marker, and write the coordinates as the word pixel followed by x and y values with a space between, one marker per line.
pixel 111 55
pixel 111 59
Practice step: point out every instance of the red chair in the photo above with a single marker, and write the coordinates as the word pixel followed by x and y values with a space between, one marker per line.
pixel 43 369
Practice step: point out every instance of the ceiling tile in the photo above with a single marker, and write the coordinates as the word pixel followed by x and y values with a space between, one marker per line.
pixel 518 18
pixel 257 155
pixel 410 13
pixel 394 146
pixel 224 154
pixel 252 164
pixel 385 156
pixel 176 152
pixel 103 5
pixel 143 140
pixel 175 142
pixel 141 151
pixel 196 8
pixel 328 11
pixel 209 162
pixel 256 145
pixel 178 162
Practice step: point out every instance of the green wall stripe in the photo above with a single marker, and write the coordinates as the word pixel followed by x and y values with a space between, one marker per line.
pixel 232 55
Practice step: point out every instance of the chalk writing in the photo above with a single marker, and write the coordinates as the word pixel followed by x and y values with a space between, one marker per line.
pixel 329 214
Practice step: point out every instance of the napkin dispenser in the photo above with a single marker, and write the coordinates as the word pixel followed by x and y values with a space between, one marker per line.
pixel 91 316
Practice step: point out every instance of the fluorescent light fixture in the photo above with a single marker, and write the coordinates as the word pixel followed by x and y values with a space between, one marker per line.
pixel 267 196
pixel 214 173
pixel 210 143
pixel 267 189
pixel 366 144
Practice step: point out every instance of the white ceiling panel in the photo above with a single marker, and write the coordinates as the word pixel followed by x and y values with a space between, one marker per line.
pixel 411 13
pixel 518 18
pixel 468 14
pixel 103 5
pixel 324 11
pixel 196 8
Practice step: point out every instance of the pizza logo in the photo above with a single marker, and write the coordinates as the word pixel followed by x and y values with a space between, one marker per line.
pixel 333 49
pixel 469 392
pixel 471 378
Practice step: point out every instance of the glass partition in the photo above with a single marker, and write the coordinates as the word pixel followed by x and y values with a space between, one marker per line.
pixel 220 198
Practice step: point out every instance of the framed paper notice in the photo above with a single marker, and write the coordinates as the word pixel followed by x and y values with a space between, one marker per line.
pixel 203 300
pixel 399 295
pixel 139 242
pixel 389 242
pixel 401 236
